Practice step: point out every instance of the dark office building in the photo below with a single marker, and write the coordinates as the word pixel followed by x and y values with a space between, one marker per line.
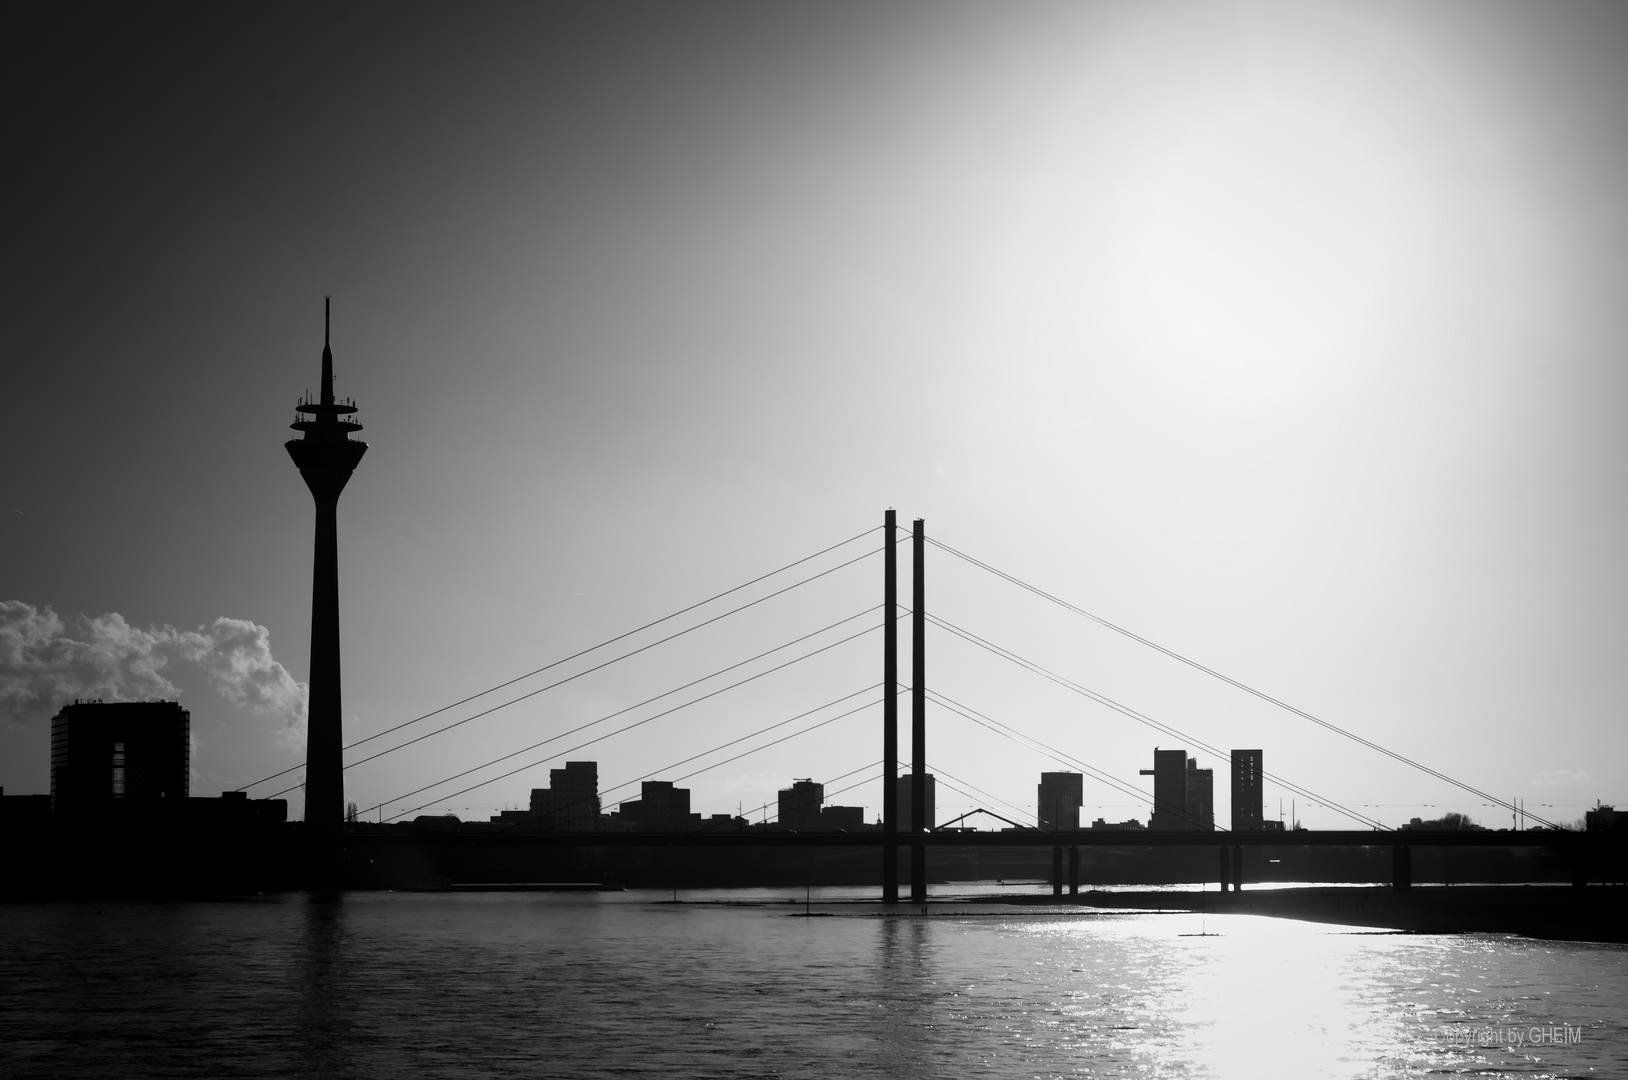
pixel 1057 804
pixel 661 807
pixel 800 806
pixel 905 785
pixel 842 819
pixel 1183 793
pixel 1200 797
pixel 128 753
pixel 571 799
pixel 1247 792
pixel 1169 774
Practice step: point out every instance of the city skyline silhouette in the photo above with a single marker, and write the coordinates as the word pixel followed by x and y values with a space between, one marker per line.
pixel 1167 459
pixel 1312 377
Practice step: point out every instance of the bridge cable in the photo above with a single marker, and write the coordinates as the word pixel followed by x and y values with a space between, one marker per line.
pixel 553 757
pixel 1059 756
pixel 1141 718
pixel 1262 695
pixel 743 738
pixel 1031 743
pixel 938 773
pixel 610 641
pixel 638 705
pixel 628 727
pixel 840 790
pixel 630 708
pixel 746 816
pixel 1148 721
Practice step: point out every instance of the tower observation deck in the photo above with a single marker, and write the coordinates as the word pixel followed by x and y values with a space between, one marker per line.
pixel 326 456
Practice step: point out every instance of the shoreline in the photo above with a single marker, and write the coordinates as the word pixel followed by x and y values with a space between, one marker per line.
pixel 1595 913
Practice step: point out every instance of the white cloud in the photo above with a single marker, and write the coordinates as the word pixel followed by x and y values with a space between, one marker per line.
pixel 1562 778
pixel 46 662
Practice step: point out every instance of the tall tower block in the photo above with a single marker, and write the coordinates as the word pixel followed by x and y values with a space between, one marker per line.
pixel 326 456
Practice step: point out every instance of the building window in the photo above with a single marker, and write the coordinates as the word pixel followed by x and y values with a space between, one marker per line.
pixel 118 769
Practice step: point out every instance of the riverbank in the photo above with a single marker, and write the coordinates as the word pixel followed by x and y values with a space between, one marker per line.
pixel 1561 913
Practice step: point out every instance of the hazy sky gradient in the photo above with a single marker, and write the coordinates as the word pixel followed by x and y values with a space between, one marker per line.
pixel 1291 336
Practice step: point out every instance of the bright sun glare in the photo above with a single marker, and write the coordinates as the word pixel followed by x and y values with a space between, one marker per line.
pixel 1271 255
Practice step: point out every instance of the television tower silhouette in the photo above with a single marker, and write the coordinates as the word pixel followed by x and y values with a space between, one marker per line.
pixel 326 456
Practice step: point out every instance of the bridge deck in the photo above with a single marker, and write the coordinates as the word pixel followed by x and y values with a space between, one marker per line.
pixel 1023 839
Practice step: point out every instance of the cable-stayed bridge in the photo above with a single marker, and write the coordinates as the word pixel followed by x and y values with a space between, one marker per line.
pixel 880 700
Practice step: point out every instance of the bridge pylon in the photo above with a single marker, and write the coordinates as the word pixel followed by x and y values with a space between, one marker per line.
pixel 890 710
pixel 918 715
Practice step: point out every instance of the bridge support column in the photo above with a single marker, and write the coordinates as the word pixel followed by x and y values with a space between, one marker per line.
pixel 1073 870
pixel 1226 867
pixel 1057 870
pixel 890 710
pixel 918 716
pixel 1401 869
pixel 1238 869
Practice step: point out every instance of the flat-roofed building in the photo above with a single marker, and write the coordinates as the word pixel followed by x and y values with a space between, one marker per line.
pixel 661 807
pixel 126 752
pixel 800 806
pixel 1058 799
pixel 1169 774
pixel 905 786
pixel 1183 793
pixel 1247 791
pixel 842 818
pixel 571 800
pixel 1200 797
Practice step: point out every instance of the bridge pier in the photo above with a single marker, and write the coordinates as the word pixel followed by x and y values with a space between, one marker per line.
pixel 918 715
pixel 1579 868
pixel 890 710
pixel 1073 871
pixel 1057 870
pixel 1401 869
pixel 1226 867
pixel 1238 869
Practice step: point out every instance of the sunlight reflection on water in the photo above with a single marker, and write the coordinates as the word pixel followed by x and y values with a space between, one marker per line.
pixel 505 985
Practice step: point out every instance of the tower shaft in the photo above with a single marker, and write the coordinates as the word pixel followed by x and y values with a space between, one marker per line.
pixel 326 457
pixel 324 763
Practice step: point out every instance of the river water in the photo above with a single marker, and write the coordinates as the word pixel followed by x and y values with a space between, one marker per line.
pixel 744 984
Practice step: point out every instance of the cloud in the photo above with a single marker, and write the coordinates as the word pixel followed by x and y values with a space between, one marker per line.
pixel 1562 778
pixel 46 662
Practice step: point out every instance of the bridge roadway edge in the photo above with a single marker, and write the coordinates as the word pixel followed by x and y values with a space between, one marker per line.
pixel 1564 841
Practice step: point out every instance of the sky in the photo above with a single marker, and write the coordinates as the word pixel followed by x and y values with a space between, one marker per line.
pixel 1288 336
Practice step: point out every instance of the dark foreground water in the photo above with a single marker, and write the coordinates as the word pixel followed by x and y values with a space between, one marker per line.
pixel 598 985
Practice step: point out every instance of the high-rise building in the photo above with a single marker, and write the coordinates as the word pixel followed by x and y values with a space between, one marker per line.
pixel 906 785
pixel 800 806
pixel 571 800
pixel 1169 774
pixel 1058 800
pixel 119 752
pixel 660 807
pixel 326 456
pixel 1200 797
pixel 1247 791
pixel 1183 793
